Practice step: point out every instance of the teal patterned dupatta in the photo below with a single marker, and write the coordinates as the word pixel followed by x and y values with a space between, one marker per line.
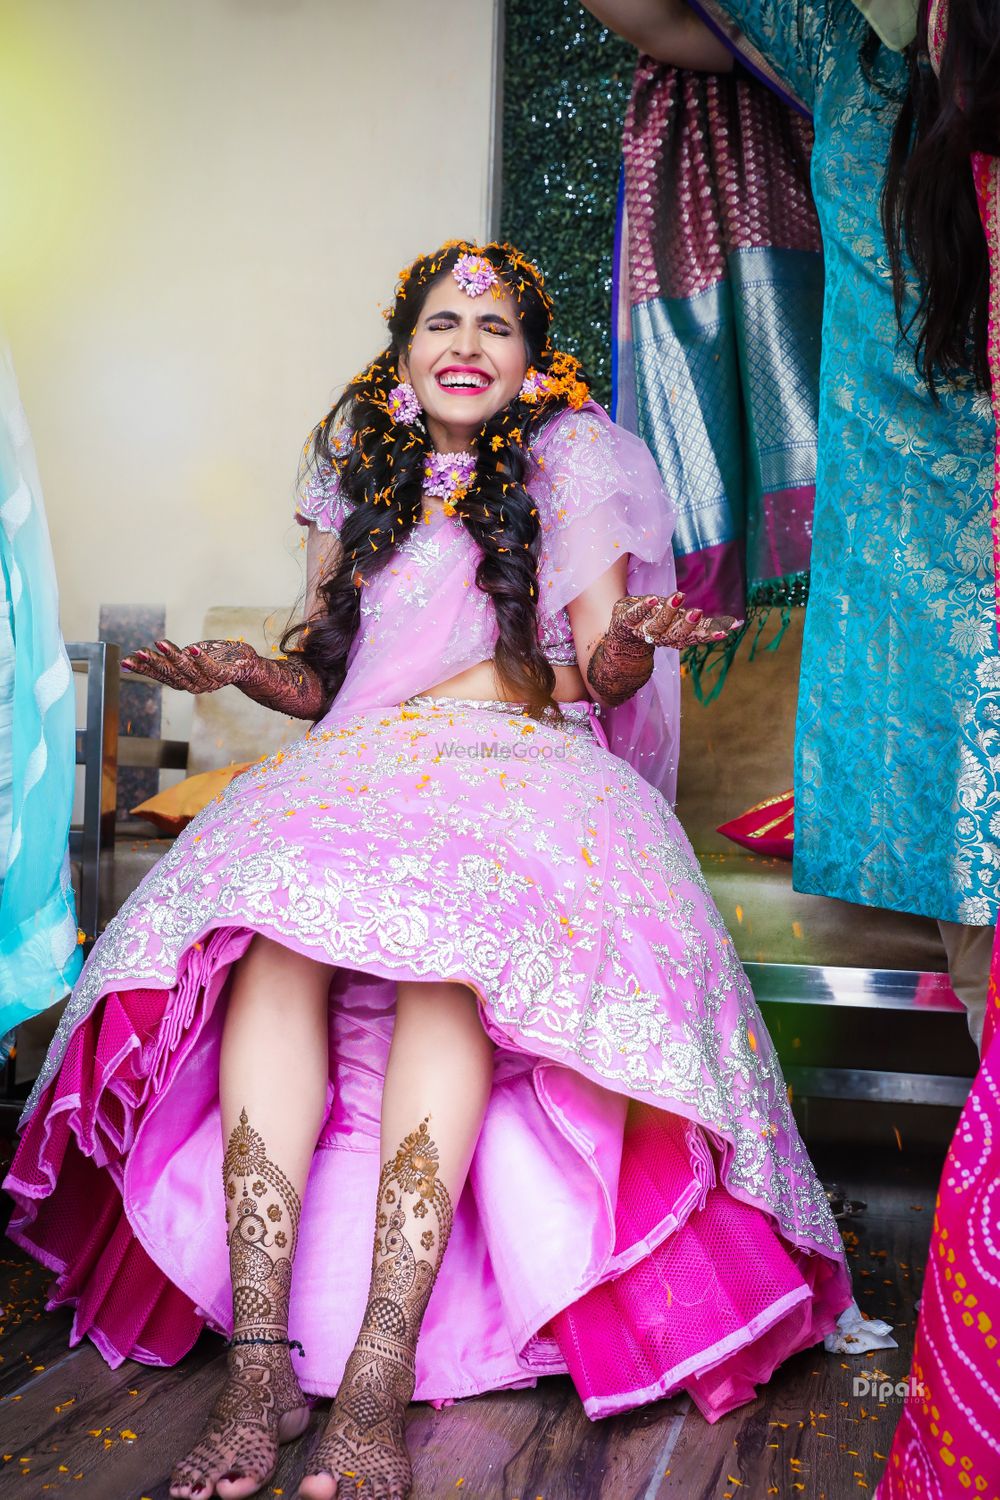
pixel 718 310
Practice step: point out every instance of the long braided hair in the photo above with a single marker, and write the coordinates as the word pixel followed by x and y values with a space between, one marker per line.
pixel 379 465
pixel 929 206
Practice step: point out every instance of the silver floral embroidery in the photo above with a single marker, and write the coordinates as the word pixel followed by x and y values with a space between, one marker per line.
pixel 556 951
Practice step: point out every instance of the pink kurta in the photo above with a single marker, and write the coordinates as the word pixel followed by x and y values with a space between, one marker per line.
pixel 641 1210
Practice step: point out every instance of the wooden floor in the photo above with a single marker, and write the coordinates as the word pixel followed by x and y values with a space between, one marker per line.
pixel 69 1425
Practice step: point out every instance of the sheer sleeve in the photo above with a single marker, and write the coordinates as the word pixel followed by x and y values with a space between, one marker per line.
pixel 319 500
pixel 786 35
pixel 600 497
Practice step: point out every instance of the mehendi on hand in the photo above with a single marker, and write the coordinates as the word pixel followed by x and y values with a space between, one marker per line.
pixel 285 684
pixel 622 661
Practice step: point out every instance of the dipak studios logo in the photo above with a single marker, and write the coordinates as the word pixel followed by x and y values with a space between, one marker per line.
pixel 876 1385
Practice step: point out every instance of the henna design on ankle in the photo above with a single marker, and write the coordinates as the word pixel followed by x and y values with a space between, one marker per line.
pixel 246 1424
pixel 365 1437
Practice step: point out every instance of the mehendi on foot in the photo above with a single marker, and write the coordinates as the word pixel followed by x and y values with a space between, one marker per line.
pixel 261 1403
pixel 364 1442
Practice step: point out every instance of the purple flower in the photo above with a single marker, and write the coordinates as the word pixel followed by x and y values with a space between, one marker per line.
pixel 474 274
pixel 404 407
pixel 448 475
pixel 535 384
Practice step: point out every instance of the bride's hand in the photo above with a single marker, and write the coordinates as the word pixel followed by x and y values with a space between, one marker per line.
pixel 656 621
pixel 201 668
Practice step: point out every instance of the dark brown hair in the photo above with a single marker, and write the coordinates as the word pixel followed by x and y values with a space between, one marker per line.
pixel 929 207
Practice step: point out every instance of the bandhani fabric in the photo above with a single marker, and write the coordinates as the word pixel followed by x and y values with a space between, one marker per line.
pixel 718 308
pixel 947 1442
pixel 638 1125
pixel 39 954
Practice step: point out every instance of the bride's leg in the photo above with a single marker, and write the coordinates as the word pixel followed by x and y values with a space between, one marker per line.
pixel 272 1084
pixel 437 1086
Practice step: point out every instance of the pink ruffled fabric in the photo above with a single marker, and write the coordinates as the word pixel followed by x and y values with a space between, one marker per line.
pixel 638 1138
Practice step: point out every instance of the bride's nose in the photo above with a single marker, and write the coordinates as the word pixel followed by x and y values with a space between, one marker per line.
pixel 468 342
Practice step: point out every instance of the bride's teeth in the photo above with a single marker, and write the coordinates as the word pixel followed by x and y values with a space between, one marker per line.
pixel 464 380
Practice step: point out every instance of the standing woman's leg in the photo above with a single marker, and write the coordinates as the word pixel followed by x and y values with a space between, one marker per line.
pixel 272 1083
pixel 437 1086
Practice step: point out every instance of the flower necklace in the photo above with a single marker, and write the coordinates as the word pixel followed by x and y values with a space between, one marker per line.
pixel 448 476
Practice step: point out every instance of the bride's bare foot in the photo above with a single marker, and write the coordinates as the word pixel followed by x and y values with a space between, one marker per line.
pixel 362 1452
pixel 260 1406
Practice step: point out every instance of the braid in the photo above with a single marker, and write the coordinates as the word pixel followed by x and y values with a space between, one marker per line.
pixel 379 465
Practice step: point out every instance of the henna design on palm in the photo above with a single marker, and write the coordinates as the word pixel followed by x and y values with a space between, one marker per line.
pixel 365 1440
pixel 261 1404
pixel 622 661
pixel 285 684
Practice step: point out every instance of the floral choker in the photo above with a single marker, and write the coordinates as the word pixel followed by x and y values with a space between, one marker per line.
pixel 448 475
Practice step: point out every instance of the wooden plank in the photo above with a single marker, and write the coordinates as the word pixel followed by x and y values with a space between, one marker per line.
pixel 76 1417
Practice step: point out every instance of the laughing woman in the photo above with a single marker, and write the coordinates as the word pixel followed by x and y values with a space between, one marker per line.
pixel 450 956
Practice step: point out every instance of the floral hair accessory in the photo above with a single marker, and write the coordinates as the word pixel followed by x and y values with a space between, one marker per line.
pixel 403 404
pixel 563 378
pixel 534 386
pixel 518 272
pixel 449 475
pixel 474 274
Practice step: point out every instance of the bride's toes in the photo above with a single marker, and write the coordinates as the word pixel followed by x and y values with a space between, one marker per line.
pixel 187 1484
pixel 317 1487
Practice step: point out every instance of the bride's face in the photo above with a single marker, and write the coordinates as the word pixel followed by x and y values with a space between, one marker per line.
pixel 466 360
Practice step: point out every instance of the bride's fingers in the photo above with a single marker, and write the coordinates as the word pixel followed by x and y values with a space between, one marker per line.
pixel 716 628
pixel 144 664
pixel 641 613
pixel 186 672
pixel 162 669
pixel 672 626
pixel 152 664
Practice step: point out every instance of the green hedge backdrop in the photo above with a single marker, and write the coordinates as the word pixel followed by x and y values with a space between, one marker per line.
pixel 566 86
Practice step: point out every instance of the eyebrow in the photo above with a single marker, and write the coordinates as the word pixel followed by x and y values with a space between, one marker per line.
pixel 490 317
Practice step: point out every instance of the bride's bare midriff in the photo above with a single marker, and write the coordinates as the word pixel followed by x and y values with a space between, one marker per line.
pixel 481 682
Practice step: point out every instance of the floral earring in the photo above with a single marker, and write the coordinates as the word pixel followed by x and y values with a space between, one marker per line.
pixel 403 404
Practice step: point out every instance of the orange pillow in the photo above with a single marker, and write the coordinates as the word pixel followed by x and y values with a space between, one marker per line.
pixel 173 809
pixel 767 828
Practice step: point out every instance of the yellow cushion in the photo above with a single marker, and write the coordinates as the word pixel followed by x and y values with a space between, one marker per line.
pixel 173 809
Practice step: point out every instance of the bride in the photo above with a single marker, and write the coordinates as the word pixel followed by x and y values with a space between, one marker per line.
pixel 442 975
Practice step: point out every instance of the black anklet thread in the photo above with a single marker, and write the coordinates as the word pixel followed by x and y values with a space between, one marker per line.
pixel 292 1343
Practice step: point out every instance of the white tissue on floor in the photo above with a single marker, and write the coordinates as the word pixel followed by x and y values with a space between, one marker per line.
pixel 857 1335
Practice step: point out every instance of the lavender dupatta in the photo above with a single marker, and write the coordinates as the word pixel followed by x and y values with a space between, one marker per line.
pixel 599 497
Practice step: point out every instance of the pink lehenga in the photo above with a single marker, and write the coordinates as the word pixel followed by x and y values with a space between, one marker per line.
pixel 641 1210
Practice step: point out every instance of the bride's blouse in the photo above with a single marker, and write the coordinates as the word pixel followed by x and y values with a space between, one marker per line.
pixel 599 497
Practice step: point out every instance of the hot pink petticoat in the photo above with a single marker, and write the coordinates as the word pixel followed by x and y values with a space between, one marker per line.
pixel 640 1211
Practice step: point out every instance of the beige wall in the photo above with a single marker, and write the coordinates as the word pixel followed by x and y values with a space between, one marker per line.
pixel 202 202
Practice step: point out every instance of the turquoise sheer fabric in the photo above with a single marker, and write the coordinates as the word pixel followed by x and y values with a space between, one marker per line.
pixel 39 955
pixel 898 732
